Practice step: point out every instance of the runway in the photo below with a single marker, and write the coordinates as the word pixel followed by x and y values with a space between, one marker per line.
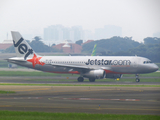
pixel 66 80
pixel 113 100
pixel 106 100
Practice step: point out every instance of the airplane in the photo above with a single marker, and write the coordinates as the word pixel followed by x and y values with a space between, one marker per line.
pixel 91 67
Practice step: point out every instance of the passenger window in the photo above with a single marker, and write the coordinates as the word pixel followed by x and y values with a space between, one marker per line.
pixel 147 62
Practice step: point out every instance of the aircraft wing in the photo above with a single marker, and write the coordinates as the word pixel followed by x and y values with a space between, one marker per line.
pixel 71 66
pixel 80 68
pixel 74 67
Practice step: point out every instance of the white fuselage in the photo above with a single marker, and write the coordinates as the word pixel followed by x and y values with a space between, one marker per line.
pixel 111 64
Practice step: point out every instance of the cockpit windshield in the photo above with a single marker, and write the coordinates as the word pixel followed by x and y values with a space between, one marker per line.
pixel 146 62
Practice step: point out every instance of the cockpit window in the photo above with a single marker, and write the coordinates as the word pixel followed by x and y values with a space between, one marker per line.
pixel 146 62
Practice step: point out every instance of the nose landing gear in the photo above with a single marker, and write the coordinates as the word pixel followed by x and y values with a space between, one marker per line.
pixel 137 78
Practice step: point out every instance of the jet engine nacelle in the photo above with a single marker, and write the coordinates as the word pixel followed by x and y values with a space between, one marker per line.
pixel 113 76
pixel 97 74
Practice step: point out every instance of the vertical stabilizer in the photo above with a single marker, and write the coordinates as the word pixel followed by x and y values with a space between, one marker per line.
pixel 94 50
pixel 22 48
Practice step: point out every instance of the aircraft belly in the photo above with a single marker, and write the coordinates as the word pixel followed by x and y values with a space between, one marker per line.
pixel 24 64
pixel 124 69
pixel 55 69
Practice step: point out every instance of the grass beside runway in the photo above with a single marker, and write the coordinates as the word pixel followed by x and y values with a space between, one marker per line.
pixel 98 85
pixel 6 92
pixel 38 73
pixel 154 74
pixel 98 80
pixel 15 115
pixel 33 73
pixel 151 77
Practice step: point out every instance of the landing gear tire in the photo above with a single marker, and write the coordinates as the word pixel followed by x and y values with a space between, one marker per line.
pixel 91 80
pixel 137 80
pixel 80 79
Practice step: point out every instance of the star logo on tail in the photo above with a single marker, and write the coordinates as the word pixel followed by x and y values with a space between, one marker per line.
pixel 35 60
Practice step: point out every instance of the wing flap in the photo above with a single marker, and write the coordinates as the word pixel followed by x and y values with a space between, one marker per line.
pixel 71 66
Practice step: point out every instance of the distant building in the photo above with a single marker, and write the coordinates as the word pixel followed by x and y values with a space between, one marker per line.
pixel 107 32
pixel 88 41
pixel 53 33
pixel 5 44
pixel 69 47
pixel 77 33
pixel 61 33
pixel 88 35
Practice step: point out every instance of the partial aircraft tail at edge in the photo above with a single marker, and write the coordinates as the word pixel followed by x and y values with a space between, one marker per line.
pixel 22 48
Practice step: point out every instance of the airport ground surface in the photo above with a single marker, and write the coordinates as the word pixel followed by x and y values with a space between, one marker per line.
pixel 88 99
pixel 69 79
pixel 66 80
pixel 114 100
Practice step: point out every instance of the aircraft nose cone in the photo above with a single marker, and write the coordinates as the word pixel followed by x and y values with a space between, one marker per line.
pixel 155 67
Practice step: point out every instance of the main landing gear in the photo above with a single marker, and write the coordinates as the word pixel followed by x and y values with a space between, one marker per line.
pixel 80 79
pixel 137 78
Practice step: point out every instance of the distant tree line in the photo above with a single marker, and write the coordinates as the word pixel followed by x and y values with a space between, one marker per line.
pixel 115 46
pixel 118 46
pixel 37 46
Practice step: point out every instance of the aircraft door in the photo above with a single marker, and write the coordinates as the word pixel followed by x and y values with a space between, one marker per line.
pixel 135 61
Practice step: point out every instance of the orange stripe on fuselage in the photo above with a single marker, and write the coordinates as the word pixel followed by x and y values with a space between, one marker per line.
pixel 70 72
pixel 76 72
pixel 112 72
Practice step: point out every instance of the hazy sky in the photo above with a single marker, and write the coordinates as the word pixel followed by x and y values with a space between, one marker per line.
pixel 138 18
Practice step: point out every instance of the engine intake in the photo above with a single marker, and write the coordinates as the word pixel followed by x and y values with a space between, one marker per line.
pixel 97 74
